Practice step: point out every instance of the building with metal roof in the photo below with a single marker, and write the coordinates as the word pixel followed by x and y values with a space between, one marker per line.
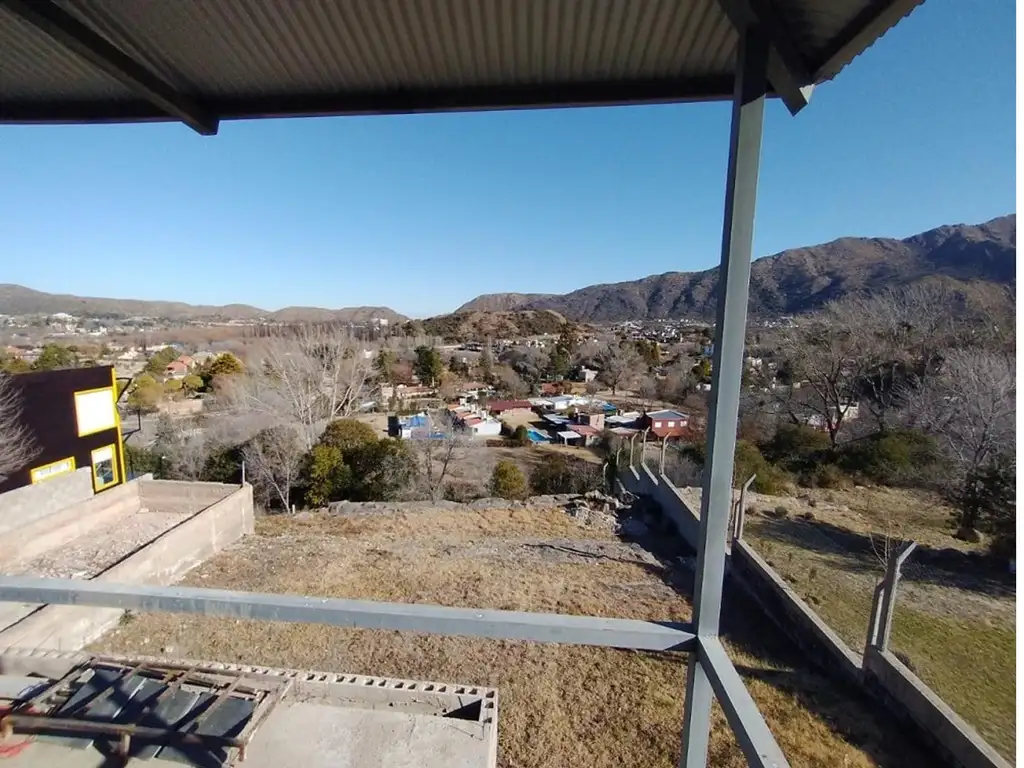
pixel 204 61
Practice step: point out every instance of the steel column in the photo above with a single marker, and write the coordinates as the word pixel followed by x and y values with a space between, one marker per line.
pixel 727 372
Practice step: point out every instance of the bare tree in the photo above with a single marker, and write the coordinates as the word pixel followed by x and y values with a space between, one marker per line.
pixel 648 390
pixel 184 447
pixel 618 365
pixel 829 357
pixel 307 377
pixel 436 453
pixel 509 382
pixel 273 459
pixel 17 445
pixel 971 408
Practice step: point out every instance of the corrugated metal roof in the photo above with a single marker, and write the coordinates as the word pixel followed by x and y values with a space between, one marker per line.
pixel 255 58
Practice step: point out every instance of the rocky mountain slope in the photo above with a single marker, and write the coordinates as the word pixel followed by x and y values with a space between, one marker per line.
pixel 501 302
pixel 803 279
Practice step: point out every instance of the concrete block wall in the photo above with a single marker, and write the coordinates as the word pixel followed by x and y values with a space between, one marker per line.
pixel 163 561
pixel 30 503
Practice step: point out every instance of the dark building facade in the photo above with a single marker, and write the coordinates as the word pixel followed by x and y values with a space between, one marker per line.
pixel 73 420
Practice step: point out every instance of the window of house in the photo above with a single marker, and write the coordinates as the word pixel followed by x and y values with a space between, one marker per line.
pixel 671 423
pixel 104 468
pixel 657 424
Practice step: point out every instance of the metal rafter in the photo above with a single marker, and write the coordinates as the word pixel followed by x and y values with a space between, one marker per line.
pixel 787 71
pixel 354 614
pixel 69 32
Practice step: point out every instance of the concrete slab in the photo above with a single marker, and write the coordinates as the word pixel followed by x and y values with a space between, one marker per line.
pixel 329 736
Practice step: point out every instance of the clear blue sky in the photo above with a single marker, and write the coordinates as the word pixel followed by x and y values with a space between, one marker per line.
pixel 421 213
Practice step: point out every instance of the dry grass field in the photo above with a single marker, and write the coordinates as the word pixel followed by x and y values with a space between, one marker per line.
pixel 955 616
pixel 560 705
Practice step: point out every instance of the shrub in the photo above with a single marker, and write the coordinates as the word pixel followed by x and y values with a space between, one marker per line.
pixel 347 434
pixel 521 436
pixel 381 470
pixel 825 476
pixel 325 476
pixel 558 475
pixel 892 457
pixel 781 512
pixel 796 447
pixel 139 461
pixel 770 479
pixel 460 492
pixel 508 481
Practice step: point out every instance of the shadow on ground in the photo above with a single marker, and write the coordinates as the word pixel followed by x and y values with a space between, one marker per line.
pixel 855 552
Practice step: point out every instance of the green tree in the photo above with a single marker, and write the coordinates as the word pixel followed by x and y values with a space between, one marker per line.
pixel 428 366
pixel 55 356
pixel 702 370
pixel 992 492
pixel 173 386
pixel 158 363
pixel 325 476
pixel 381 470
pixel 521 435
pixel 649 352
pixel 559 363
pixel 225 364
pixel 12 364
pixel 385 365
pixel 486 362
pixel 192 384
pixel 347 434
pixel 507 481
pixel 568 341
pixel 145 394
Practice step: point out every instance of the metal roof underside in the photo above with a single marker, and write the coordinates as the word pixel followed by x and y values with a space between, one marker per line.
pixel 202 61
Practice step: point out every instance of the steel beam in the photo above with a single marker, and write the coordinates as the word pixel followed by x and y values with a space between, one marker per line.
pixel 354 614
pixel 727 362
pixel 787 72
pixel 59 25
pixel 875 18
pixel 744 718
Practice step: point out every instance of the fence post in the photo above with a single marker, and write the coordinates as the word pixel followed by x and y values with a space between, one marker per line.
pixel 661 469
pixel 632 440
pixel 875 617
pixel 892 579
pixel 243 473
pixel 741 511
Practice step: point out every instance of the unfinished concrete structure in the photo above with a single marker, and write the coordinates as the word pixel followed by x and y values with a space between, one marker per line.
pixel 90 709
pixel 142 532
pixel 197 62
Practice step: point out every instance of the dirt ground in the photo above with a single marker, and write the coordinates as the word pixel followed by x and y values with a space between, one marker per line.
pixel 560 705
pixel 955 617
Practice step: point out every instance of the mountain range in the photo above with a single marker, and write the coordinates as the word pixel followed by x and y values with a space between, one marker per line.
pixel 793 281
pixel 19 300
pixel 796 280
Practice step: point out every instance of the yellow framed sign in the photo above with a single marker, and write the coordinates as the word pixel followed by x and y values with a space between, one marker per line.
pixel 95 410
pixel 104 468
pixel 53 469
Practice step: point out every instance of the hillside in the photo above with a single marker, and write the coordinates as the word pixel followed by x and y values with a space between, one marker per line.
pixel 19 300
pixel 803 279
pixel 466 326
pixel 501 302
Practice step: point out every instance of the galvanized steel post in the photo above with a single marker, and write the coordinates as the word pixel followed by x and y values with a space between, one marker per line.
pixel 727 362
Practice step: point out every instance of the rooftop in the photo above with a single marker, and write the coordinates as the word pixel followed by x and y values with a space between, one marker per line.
pixel 203 61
